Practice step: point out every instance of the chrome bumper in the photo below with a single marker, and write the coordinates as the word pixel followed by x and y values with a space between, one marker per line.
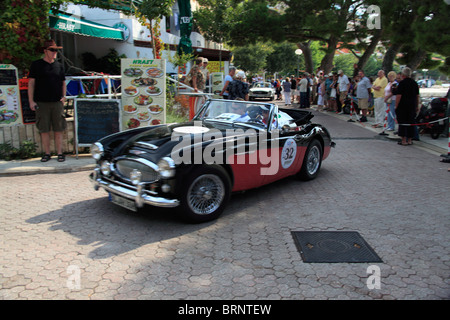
pixel 139 196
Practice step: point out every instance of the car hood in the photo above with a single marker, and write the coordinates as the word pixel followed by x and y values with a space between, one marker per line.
pixel 159 141
pixel 261 89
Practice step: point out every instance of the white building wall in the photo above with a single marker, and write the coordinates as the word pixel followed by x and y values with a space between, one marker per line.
pixel 100 47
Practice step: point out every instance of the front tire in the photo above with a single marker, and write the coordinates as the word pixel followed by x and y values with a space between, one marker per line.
pixel 312 161
pixel 205 194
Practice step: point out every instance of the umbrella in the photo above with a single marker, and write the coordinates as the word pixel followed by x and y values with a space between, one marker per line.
pixel 185 45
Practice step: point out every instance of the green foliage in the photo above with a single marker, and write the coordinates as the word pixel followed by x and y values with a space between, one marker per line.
pixel 153 10
pixel 215 18
pixel 110 63
pixel 24 28
pixel 283 59
pixel 26 150
pixel 179 60
pixel 251 58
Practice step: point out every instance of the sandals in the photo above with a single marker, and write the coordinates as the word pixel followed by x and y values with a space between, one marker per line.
pixel 45 158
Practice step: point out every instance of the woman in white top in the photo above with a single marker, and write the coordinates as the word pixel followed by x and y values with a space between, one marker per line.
pixel 389 99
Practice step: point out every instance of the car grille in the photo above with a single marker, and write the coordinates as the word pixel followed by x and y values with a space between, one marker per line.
pixel 261 92
pixel 126 166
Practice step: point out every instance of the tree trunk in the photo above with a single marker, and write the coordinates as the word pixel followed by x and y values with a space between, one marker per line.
pixel 389 57
pixel 417 59
pixel 307 54
pixel 327 62
pixel 370 49
pixel 152 38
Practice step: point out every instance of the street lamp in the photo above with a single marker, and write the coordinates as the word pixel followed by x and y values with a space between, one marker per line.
pixel 298 52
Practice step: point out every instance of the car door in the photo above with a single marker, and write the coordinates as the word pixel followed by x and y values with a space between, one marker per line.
pixel 287 150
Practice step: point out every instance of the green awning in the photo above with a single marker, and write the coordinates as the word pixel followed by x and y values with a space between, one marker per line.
pixel 84 27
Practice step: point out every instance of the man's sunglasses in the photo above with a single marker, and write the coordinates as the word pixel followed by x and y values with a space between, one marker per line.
pixel 53 50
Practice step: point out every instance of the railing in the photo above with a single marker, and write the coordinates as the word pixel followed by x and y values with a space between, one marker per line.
pixel 92 86
pixel 103 86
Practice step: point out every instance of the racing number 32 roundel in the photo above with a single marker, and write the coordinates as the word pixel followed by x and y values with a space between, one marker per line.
pixel 288 153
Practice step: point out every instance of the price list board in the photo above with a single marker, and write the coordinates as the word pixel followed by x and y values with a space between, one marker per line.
pixel 143 92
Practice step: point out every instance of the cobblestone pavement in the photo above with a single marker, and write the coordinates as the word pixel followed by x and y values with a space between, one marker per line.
pixel 60 239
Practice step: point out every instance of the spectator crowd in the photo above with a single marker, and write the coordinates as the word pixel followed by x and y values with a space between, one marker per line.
pixel 390 98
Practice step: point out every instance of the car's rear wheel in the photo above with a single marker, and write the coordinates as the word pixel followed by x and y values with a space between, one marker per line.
pixel 205 194
pixel 312 161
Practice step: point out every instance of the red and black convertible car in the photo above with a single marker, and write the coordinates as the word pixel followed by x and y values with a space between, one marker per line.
pixel 195 166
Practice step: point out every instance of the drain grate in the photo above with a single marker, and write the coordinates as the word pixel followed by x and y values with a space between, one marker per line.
pixel 333 247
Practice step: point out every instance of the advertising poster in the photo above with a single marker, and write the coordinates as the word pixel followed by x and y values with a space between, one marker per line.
pixel 143 92
pixel 216 66
pixel 10 111
pixel 216 82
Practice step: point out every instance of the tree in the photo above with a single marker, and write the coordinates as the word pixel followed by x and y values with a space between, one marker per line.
pixel 24 27
pixel 283 58
pixel 320 20
pixel 153 11
pixel 251 58
pixel 214 19
pixel 415 29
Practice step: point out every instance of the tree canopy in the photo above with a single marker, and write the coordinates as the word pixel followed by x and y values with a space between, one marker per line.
pixel 412 29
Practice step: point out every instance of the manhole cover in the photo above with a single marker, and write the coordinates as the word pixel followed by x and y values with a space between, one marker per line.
pixel 333 247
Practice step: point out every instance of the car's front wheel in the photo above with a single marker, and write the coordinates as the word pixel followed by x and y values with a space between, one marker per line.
pixel 312 161
pixel 205 194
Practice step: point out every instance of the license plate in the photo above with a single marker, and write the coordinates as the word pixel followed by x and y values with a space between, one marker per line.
pixel 123 202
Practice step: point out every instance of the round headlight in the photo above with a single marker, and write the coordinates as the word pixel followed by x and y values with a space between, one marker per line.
pixel 166 168
pixel 105 168
pixel 97 150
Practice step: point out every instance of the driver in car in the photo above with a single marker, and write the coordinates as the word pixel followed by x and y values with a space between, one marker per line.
pixel 265 117
pixel 240 109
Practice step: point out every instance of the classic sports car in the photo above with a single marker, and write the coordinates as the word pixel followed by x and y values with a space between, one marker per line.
pixel 195 166
pixel 261 90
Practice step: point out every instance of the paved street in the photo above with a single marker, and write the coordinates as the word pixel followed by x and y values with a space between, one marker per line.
pixel 60 239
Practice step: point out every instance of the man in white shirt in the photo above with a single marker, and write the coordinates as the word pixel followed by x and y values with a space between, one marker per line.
pixel 303 88
pixel 344 85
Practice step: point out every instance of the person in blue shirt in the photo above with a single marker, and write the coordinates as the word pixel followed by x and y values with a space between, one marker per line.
pixel 363 90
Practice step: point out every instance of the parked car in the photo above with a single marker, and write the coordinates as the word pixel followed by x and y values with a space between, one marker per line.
pixel 195 166
pixel 261 90
pixel 426 83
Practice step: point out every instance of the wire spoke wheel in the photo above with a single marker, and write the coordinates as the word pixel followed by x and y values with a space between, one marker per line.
pixel 313 160
pixel 206 194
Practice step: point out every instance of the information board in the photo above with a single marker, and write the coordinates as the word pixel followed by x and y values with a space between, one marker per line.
pixel 95 119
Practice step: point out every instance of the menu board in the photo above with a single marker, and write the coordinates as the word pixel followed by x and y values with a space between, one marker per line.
pixel 143 92
pixel 10 112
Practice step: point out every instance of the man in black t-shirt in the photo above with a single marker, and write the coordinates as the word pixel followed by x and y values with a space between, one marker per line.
pixel 46 93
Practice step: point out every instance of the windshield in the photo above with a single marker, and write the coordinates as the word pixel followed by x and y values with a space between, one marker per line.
pixel 237 112
pixel 262 85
